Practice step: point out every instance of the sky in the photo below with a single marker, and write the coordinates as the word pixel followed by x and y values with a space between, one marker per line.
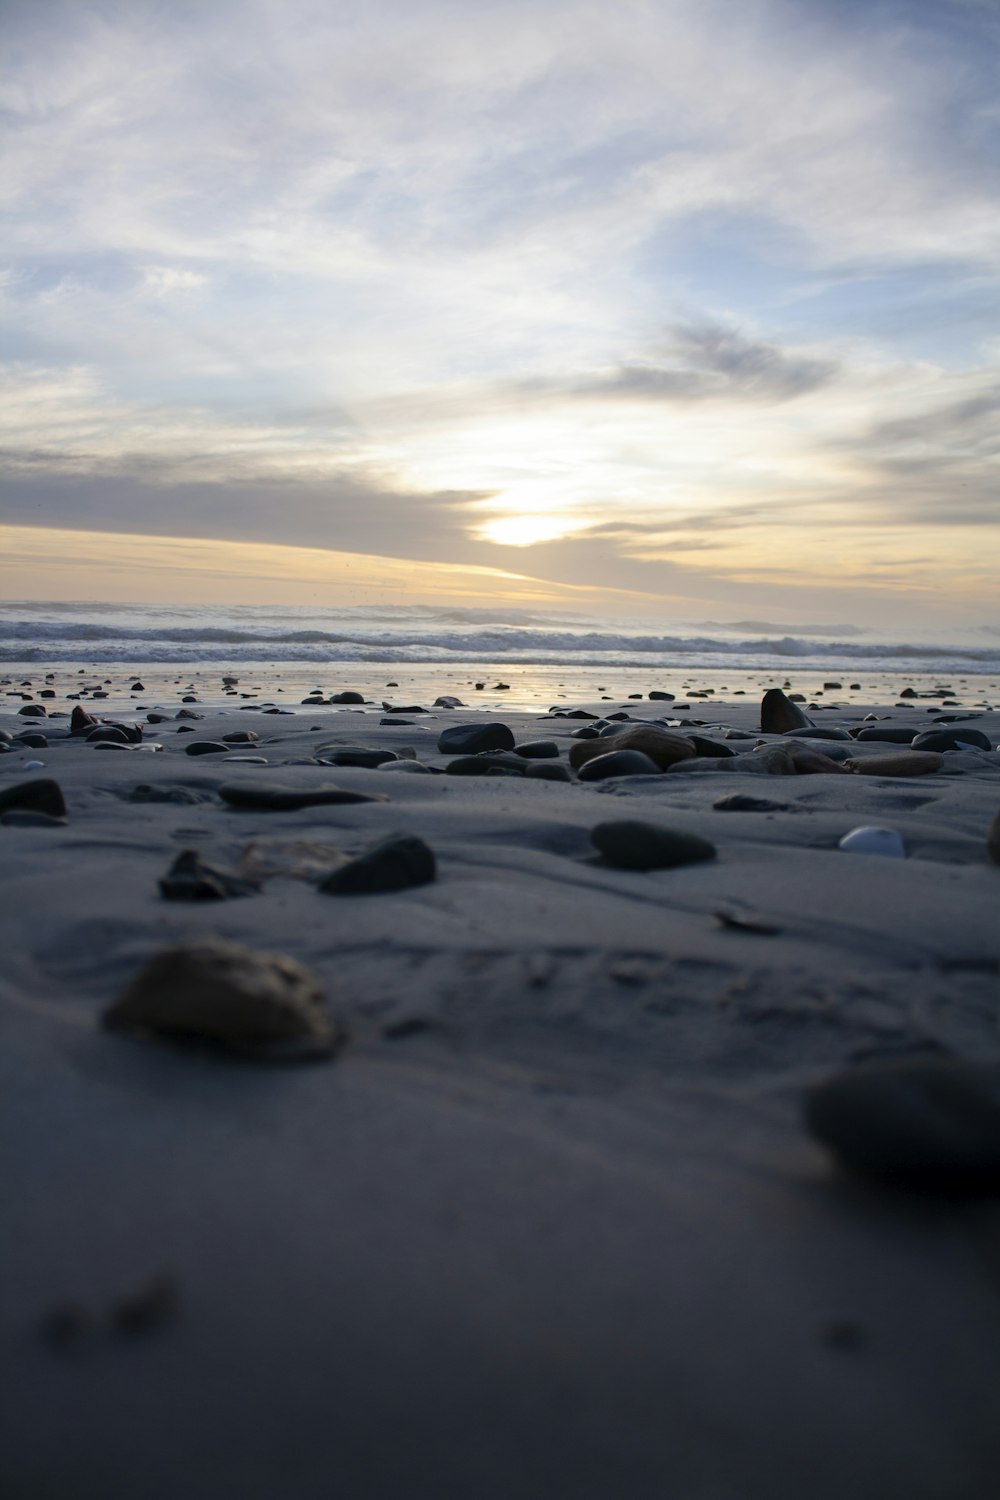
pixel 672 308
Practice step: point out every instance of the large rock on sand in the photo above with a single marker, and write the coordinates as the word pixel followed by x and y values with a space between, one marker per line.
pixel 778 713
pixel 663 748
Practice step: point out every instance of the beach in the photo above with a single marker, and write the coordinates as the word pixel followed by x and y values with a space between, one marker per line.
pixel 549 1216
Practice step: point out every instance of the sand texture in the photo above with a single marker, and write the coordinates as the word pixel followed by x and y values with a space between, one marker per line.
pixel 548 1223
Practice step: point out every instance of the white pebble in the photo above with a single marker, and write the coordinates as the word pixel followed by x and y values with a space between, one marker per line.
pixel 33 765
pixel 874 841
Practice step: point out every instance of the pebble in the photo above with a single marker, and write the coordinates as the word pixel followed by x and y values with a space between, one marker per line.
pixel 903 763
pixel 263 1005
pixel 743 802
pixel 779 714
pixel 952 739
pixel 275 798
pixel 889 734
pixel 347 697
pixel 39 795
pixel 930 1123
pixel 710 749
pixel 109 733
pixel 33 711
pixel 191 878
pixel 538 750
pixel 448 701
pixel 34 765
pixel 618 763
pixel 240 737
pixel 632 845
pixel 662 697
pixel 393 864
pixel 871 840
pixel 406 765
pixel 808 761
pixel 485 762
pixel 661 746
pixel 206 747
pixel 470 739
pixel 32 741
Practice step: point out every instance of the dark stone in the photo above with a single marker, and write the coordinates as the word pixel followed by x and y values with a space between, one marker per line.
pixel 47 693
pixel 32 741
pixel 138 687
pixel 271 797
pixel 587 732
pixel 632 845
pixel 931 1123
pixel 470 739
pixel 39 795
pixel 888 734
pixel 779 714
pixel 547 770
pixel 33 711
pixel 485 762
pixel 814 732
pixel 709 748
pixel 571 713
pixel 109 734
pixel 206 747
pixel 347 697
pixel 448 701
pixel 411 708
pixel 951 739
pixel 190 878
pixel 408 765
pixel 657 697
pixel 618 763
pixel 538 750
pixel 152 718
pixel 909 693
pixel 354 755
pixel 240 737
pixel 394 864
pixel 739 734
pixel 188 713
pixel 744 802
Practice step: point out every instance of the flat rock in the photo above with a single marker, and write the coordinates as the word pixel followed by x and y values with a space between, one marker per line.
pixel 952 739
pixel 272 797
pixel 538 750
pixel 191 878
pixel 206 747
pixel 661 746
pixel 470 739
pixel 902 763
pixel 393 864
pixel 262 1005
pixel 888 734
pixel 633 845
pixel 778 713
pixel 618 763
pixel 929 1123
pixel 38 795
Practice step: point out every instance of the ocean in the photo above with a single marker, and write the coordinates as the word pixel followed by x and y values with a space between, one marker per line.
pixel 538 653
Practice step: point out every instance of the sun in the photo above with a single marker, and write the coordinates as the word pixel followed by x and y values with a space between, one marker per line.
pixel 525 530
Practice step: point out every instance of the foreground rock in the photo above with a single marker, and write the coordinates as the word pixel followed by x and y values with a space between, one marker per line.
pixel 394 864
pixel 470 739
pixel 43 795
pixel 274 798
pixel 928 1123
pixel 778 713
pixel 633 845
pixel 261 1005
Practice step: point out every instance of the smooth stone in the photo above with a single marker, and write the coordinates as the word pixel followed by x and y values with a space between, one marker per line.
pixel 39 795
pixel 951 739
pixel 872 840
pixel 710 748
pixel 410 708
pixel 32 741
pixel 902 763
pixel 661 746
pixel 743 802
pixel 778 714
pixel 240 737
pixel 206 747
pixel 263 1005
pixel 33 765
pixel 80 722
pixel 348 697
pixel 547 770
pixel 618 763
pixel 108 733
pixel 446 700
pixel 571 713
pixel 739 734
pixel 632 845
pixel 354 755
pixel 407 765
pixel 538 750
pixel 776 760
pixel 586 732
pixel 816 732
pixel 993 840
pixel 188 713
pixel 470 739
pixel 33 711
pixel 658 697
pixel 191 878
pixel 273 797
pixel 929 1123
pixel 485 762
pixel 393 864
pixel 889 734
pixel 809 761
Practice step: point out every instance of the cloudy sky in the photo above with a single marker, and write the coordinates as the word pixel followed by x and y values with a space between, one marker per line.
pixel 687 307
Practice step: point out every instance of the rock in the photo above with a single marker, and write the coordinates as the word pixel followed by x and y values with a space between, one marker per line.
pixel 394 864
pixel 137 687
pixel 661 746
pixel 348 697
pixel 354 755
pixel 993 840
pixel 187 795
pixel 538 750
pixel 486 762
pixel 927 1123
pixel 808 761
pixel 80 722
pixel 775 759
pixel 470 739
pixel 618 763
pixel 744 919
pixel 709 748
pixel 871 840
pixel 951 739
pixel 32 741
pixel 447 701
pixel 407 765
pixel 889 734
pixel 903 763
pixel 909 693
pixel 33 711
pixel 632 845
pixel 410 708
pixel 206 747
pixel 815 732
pixel 188 713
pixel 658 697
pixel 743 802
pixel 779 714
pixel 263 1005
pixel 240 737
pixel 272 797
pixel 547 770
pixel 41 795
pixel 108 734
pixel 190 878
pixel 833 687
